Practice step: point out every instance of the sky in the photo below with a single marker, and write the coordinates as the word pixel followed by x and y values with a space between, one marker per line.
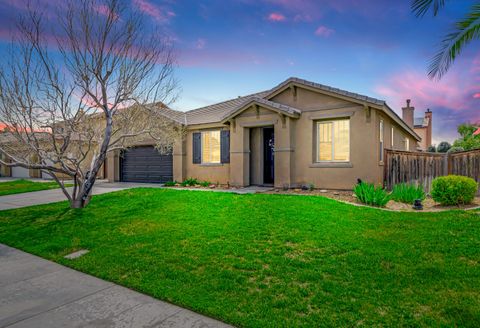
pixel 230 48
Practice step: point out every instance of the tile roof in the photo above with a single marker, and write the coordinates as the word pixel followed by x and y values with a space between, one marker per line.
pixel 328 89
pixel 420 122
pixel 214 113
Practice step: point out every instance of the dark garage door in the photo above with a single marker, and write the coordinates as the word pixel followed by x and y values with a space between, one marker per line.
pixel 146 164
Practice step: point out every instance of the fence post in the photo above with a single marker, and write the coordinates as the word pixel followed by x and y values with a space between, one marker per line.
pixel 446 164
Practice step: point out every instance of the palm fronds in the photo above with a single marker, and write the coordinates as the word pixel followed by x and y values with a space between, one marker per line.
pixel 465 31
pixel 421 7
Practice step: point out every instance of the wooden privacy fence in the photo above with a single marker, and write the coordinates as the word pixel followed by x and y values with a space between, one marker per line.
pixel 421 168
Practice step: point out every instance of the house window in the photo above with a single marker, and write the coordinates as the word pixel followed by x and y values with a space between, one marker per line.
pixel 211 147
pixel 381 140
pixel 333 141
pixel 391 141
pixel 407 144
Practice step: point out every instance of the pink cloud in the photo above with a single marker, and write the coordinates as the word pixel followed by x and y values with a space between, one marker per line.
pixel 454 100
pixel 276 17
pixel 104 10
pixel 324 31
pixel 153 11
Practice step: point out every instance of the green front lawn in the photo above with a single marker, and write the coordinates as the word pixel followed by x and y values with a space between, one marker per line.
pixel 21 186
pixel 268 260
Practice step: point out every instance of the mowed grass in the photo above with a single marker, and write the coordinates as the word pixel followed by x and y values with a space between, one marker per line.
pixel 268 260
pixel 22 185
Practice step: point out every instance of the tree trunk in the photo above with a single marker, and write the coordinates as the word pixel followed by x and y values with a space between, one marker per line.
pixel 80 202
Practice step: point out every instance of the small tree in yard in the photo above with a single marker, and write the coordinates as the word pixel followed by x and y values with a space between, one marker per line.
pixel 443 147
pixel 79 84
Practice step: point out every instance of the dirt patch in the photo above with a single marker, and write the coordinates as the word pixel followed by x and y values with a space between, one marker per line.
pixel 429 205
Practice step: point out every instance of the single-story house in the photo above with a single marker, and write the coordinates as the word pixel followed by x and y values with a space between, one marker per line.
pixel 298 133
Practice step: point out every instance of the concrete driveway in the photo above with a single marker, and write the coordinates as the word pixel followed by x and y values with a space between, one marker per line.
pixel 38 293
pixel 56 195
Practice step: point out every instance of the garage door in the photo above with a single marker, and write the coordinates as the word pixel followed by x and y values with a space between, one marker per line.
pixel 146 164
pixel 20 172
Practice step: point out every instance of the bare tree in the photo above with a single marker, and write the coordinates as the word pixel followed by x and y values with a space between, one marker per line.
pixel 89 80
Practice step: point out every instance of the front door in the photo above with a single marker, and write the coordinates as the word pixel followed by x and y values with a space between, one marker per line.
pixel 268 155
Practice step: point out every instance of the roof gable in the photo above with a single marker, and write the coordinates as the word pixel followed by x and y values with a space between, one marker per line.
pixel 293 81
pixel 273 106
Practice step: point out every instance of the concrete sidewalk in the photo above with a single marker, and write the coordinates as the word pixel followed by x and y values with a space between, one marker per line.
pixel 56 195
pixel 38 293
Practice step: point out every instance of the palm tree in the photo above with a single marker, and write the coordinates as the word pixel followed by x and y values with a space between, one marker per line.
pixel 465 30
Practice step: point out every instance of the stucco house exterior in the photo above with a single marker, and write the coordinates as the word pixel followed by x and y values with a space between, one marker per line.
pixel 297 133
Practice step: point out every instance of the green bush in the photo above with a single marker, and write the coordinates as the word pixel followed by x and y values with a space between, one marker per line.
pixel 454 190
pixel 455 149
pixel 170 183
pixel 407 193
pixel 190 182
pixel 368 194
pixel 443 147
pixel 205 183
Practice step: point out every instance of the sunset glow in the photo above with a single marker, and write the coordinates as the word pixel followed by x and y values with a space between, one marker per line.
pixel 378 48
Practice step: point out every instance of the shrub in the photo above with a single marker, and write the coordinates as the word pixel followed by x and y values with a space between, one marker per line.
pixel 455 149
pixel 407 193
pixel 368 194
pixel 170 183
pixel 190 182
pixel 454 190
pixel 432 149
pixel 205 183
pixel 443 147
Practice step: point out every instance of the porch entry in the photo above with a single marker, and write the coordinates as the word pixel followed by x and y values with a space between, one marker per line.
pixel 262 145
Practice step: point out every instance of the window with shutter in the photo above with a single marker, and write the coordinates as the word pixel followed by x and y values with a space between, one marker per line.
pixel 211 147
pixel 197 148
pixel 225 146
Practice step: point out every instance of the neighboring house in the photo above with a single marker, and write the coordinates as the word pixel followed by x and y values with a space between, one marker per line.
pixel 421 125
pixel 298 133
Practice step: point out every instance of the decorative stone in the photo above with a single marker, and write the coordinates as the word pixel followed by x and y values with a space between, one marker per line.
pixel 323 191
pixel 336 193
pixel 76 254
pixel 297 189
pixel 212 186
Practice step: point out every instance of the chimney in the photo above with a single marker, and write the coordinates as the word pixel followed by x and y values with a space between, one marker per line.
pixel 428 115
pixel 407 114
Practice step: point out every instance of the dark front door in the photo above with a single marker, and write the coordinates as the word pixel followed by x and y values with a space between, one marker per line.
pixel 268 155
pixel 146 164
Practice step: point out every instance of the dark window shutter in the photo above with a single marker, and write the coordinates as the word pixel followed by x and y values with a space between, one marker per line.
pixel 197 148
pixel 225 146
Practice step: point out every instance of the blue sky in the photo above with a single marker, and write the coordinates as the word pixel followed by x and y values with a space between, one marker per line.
pixel 376 47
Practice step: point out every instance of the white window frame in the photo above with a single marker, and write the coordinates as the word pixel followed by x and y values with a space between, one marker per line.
pixel 381 138
pixel 203 161
pixel 317 157
pixel 407 144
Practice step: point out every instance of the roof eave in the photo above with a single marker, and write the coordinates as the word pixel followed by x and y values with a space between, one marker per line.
pixel 251 102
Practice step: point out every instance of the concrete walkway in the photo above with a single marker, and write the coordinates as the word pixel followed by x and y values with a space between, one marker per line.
pixel 56 195
pixel 38 293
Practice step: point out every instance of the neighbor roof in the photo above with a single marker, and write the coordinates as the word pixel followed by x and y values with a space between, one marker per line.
pixel 420 122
